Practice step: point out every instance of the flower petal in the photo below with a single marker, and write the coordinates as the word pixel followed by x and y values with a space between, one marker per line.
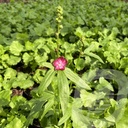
pixel 60 63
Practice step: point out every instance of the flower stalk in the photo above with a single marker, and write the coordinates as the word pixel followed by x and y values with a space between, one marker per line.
pixel 59 26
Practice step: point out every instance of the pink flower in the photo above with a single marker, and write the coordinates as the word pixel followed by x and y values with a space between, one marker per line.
pixel 60 63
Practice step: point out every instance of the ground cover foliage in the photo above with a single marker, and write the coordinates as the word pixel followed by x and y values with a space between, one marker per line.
pixel 91 91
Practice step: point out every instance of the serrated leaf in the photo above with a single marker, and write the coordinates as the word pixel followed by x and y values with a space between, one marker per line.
pixel 5 96
pixel 15 123
pixel 16 101
pixel 76 79
pixel 41 58
pixel 9 73
pixel 23 83
pixel 29 45
pixel 27 58
pixel 16 48
pixel 100 123
pixel 79 32
pixel 123 122
pixel 13 60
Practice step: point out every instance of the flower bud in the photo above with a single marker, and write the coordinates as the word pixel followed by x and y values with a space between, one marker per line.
pixel 60 26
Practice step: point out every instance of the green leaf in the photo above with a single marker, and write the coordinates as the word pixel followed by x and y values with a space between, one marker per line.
pixel 79 119
pixel 13 60
pixel 89 99
pixel 15 123
pixel 34 113
pixel 2 50
pixel 22 36
pixel 100 123
pixel 123 122
pixel 41 58
pixel 124 62
pixel 114 33
pixel 63 87
pixel 125 31
pixel 47 64
pixel 27 58
pixel 16 101
pixel 79 63
pixel 94 56
pixel 93 47
pixel 10 73
pixel 47 95
pixel 46 81
pixel 29 45
pixel 49 31
pixel 2 112
pixel 120 109
pixel 110 118
pixel 47 107
pixel 5 96
pixel 23 83
pixel 76 79
pixel 16 48
pixel 79 32
pixel 104 84
pixel 65 117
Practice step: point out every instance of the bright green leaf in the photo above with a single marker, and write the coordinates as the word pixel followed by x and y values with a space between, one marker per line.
pixel 94 56
pixel 89 99
pixel 47 107
pixel 16 48
pixel 15 123
pixel 46 81
pixel 13 60
pixel 79 63
pixel 5 96
pixel 76 79
pixel 29 45
pixel 64 93
pixel 27 58
pixel 123 122
pixel 9 73
pixel 104 84
pixel 65 117
pixel 79 119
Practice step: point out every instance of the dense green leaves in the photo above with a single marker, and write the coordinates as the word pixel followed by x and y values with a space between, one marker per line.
pixel 91 91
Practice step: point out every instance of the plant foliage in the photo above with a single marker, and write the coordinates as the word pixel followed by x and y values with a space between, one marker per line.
pixel 91 91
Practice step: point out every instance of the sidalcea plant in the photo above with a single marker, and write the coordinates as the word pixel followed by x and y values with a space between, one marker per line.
pixel 54 94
